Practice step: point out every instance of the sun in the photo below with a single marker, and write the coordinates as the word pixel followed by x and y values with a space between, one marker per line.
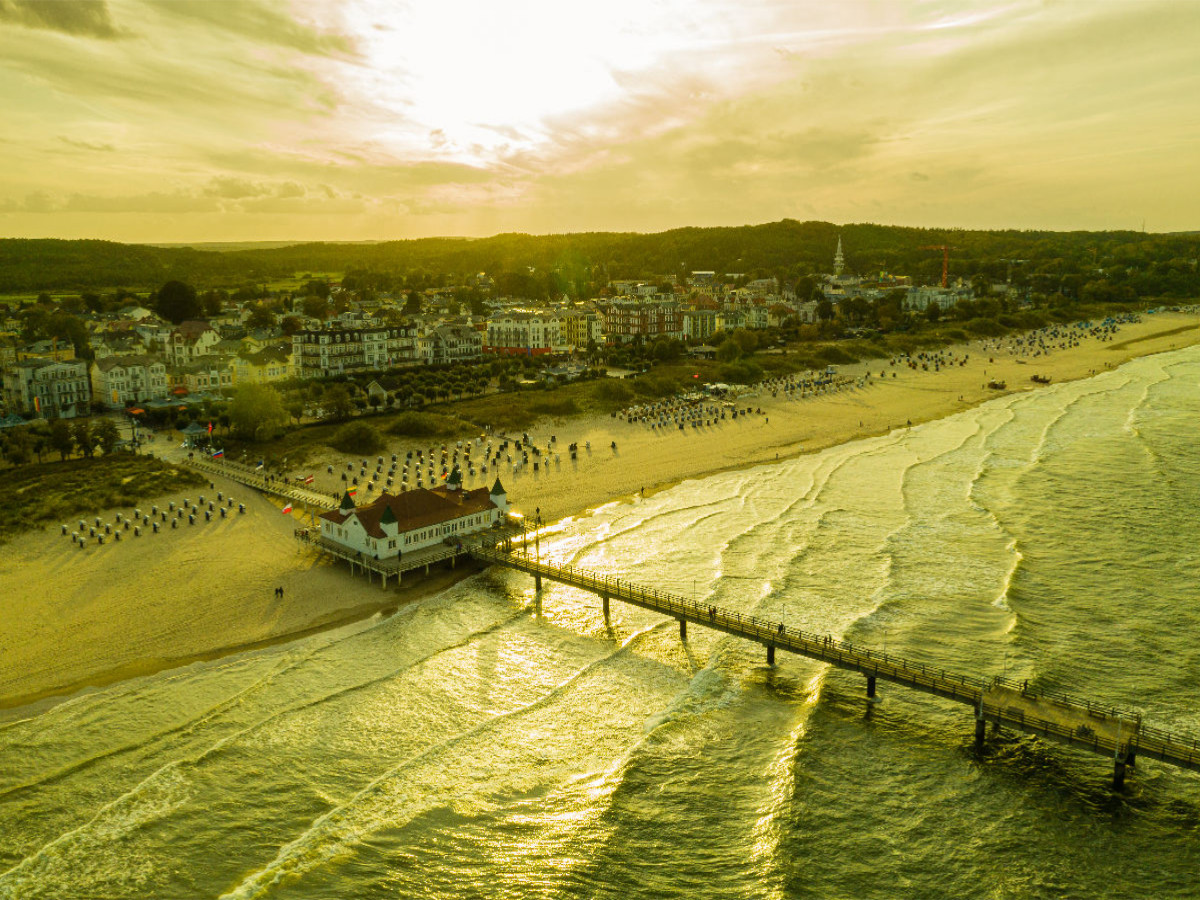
pixel 476 80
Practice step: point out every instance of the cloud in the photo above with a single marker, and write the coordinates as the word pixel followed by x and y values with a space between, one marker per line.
pixel 178 202
pixel 78 18
pixel 262 23
pixel 231 188
pixel 87 145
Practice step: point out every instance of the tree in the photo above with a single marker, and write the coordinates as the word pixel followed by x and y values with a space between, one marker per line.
pixel 315 307
pixel 317 287
pixel 105 435
pixel 357 437
pixel 412 303
pixel 261 317
pixel 177 301
pixel 337 402
pixel 824 309
pixel 17 445
pixel 256 412
pixel 729 351
pixel 82 433
pixel 747 341
pixel 295 409
pixel 61 439
pixel 212 301
pixel 290 325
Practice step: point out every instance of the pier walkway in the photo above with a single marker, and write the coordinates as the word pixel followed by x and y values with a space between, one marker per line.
pixel 1079 722
pixel 252 477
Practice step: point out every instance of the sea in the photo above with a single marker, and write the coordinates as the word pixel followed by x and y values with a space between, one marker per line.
pixel 488 742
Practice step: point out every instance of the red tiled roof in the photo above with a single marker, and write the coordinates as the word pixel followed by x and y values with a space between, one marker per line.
pixel 417 509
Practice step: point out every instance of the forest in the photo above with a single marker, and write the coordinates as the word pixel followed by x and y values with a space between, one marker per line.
pixel 536 266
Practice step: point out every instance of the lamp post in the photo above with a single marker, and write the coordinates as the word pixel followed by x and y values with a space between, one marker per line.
pixel 537 525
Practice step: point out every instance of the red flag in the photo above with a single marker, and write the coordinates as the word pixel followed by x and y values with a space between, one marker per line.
pixel 308 480
pixel 210 427
pixel 287 509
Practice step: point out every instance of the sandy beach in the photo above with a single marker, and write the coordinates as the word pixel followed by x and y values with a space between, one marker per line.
pixel 74 618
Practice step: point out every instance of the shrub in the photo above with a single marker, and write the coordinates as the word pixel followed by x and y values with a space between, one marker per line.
pixel 835 356
pixel 357 437
pixel 741 372
pixel 985 327
pixel 655 386
pixel 557 406
pixel 424 424
pixel 613 389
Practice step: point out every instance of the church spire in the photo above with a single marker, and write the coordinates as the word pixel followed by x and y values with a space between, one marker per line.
pixel 839 261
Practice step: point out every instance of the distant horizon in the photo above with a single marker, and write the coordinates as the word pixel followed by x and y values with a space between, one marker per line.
pixel 267 243
pixel 138 121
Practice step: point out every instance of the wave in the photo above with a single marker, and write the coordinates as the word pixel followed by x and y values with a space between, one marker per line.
pixel 99 824
pixel 338 831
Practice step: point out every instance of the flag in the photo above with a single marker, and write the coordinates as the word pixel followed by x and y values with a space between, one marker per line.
pixel 287 509
pixel 352 491
pixel 308 480
pixel 210 427
pixel 218 453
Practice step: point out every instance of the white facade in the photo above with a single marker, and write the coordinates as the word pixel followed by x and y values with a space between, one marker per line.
pixel 49 389
pixel 117 380
pixel 397 524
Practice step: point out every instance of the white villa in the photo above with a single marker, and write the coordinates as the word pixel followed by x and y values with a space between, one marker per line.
pixel 397 524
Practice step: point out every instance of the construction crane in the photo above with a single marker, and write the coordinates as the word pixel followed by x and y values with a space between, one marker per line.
pixel 945 248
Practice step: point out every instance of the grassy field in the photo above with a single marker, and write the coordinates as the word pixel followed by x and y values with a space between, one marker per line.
pixel 62 491
pixel 299 279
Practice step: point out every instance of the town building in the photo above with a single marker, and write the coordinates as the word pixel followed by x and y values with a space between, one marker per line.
pixel 581 328
pixel 270 364
pixel 449 344
pixel 53 390
pixel 52 349
pixel 208 375
pixel 321 352
pixel 397 524
pixel 626 320
pixel 189 341
pixel 118 380
pixel 524 333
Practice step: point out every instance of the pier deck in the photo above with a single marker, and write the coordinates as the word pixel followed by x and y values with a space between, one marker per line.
pixel 1097 727
pixel 253 478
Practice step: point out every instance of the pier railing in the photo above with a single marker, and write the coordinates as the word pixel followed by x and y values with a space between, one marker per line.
pixel 251 477
pixel 1078 721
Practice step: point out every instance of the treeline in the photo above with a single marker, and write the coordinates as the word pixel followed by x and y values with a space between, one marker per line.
pixel 579 264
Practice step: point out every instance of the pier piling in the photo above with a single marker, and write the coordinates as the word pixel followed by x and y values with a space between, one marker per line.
pixel 871 687
pixel 683 629
pixel 770 654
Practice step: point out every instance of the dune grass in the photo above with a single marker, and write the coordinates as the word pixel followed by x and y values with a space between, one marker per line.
pixel 60 491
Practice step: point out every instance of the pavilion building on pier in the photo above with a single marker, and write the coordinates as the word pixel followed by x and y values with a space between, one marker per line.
pixel 397 524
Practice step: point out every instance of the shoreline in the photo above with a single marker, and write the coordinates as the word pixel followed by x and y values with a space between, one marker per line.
pixel 84 619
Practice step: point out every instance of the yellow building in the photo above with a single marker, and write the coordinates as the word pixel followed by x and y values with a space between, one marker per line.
pixel 271 364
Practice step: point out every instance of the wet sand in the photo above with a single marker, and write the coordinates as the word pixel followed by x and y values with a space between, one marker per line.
pixel 73 618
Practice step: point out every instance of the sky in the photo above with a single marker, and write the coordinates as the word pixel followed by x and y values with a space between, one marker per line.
pixel 246 120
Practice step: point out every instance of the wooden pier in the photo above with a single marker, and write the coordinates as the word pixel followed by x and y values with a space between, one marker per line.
pixel 384 568
pixel 1079 722
pixel 252 477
